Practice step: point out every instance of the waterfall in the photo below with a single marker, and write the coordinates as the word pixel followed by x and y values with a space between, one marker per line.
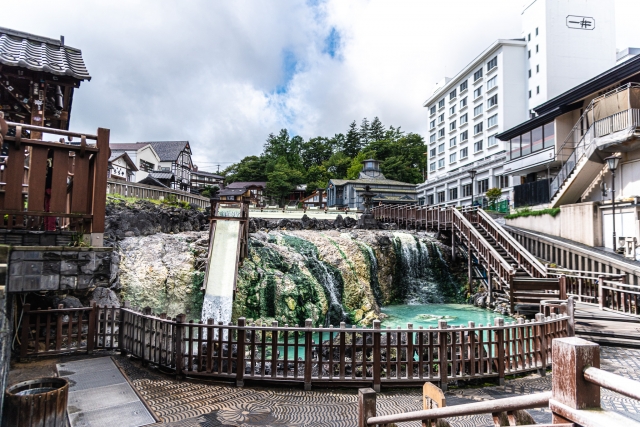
pixel 328 282
pixel 373 271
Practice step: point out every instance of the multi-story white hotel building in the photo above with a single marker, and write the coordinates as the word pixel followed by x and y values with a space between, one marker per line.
pixel 563 43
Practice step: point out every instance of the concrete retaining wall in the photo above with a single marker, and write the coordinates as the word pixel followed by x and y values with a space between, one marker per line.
pixel 580 222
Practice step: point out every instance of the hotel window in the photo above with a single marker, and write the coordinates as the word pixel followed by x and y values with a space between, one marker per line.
pixel 538 68
pixel 146 166
pixel 432 137
pixel 464 118
pixel 529 73
pixel 477 110
pixel 492 140
pixel 529 94
pixel 452 94
pixel 440 148
pixel 430 199
pixel 432 124
pixel 452 110
pixel 464 136
pixel 492 64
pixel 440 133
pixel 549 135
pixel 483 185
pixel 536 139
pixel 432 167
pixel 463 102
pixel 464 153
pixel 477 92
pixel 514 147
pixel 477 75
pixel 492 101
pixel 432 110
pixel 492 121
pixel 537 50
pixel 441 118
pixel 441 103
pixel 491 83
pixel 463 86
pixel 440 163
pixel 477 128
pixel 529 53
pixel 536 31
pixel 453 193
pixel 466 190
pixel 525 143
pixel 452 158
pixel 432 152
pixel 537 89
pixel 502 181
pixel 529 37
pixel 452 125
pixel 477 146
pixel 440 196
pixel 452 142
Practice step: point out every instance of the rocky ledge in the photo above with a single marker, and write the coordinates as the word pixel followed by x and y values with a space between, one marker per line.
pixel 306 223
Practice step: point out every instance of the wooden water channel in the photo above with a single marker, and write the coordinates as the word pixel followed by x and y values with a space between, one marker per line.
pixel 300 355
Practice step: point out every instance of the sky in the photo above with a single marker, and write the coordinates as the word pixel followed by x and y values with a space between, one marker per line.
pixel 225 74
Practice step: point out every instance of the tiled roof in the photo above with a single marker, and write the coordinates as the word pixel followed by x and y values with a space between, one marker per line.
pixel 369 182
pixel 128 147
pixel 168 151
pixel 244 184
pixel 161 174
pixel 149 180
pixel 232 192
pixel 203 173
pixel 38 53
pixel 117 154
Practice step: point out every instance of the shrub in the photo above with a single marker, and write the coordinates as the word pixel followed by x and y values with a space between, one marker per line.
pixel 528 212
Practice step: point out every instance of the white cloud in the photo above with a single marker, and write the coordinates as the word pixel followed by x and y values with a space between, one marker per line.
pixel 213 72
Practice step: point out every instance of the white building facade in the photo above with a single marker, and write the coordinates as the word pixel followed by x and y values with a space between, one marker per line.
pixel 465 114
pixel 564 43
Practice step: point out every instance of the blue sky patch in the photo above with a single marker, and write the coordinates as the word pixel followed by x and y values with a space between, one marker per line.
pixel 332 43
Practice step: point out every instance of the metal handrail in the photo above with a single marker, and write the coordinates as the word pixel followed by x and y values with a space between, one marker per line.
pixel 523 252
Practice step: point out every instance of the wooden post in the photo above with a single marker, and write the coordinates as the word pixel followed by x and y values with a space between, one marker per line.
pixel 376 357
pixel 145 335
pixel 489 285
pixel 469 264
pixel 542 370
pixel 443 359
pixel 92 335
pixel 179 345
pixel 499 323
pixel 601 292
pixel 366 406
pixel 453 244
pixel 121 345
pixel 240 351
pixel 308 324
pixel 571 356
pixel 571 323
pixel 562 282
pixel 100 187
pixel 26 325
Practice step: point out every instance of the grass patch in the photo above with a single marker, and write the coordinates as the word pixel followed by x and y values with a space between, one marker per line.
pixel 528 212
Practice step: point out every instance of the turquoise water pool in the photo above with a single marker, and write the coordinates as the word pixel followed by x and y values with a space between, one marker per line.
pixel 428 315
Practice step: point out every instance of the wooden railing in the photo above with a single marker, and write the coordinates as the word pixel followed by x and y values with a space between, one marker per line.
pixel 143 191
pixel 46 185
pixel 574 399
pixel 304 355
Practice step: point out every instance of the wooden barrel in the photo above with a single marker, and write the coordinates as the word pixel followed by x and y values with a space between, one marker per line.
pixel 41 402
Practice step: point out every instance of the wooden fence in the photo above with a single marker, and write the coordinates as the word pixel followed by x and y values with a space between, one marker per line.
pixel 304 355
pixel 143 191
pixel 46 185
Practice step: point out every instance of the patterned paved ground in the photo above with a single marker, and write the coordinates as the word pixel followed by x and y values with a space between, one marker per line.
pixel 198 404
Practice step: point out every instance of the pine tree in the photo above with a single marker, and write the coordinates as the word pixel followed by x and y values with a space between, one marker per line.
pixel 352 143
pixel 376 130
pixel 364 132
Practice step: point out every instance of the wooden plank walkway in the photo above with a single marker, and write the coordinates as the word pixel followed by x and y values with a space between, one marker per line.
pixel 607 327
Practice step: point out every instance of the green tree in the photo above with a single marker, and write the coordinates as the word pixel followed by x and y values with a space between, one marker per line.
pixel 210 191
pixel 316 151
pixel 356 164
pixel 493 194
pixel 316 177
pixel 364 132
pixel 282 180
pixel 376 130
pixel 337 165
pixel 251 168
pixel 352 145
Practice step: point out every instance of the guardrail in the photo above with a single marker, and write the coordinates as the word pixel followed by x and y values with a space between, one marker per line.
pixel 574 399
pixel 143 191
pixel 305 355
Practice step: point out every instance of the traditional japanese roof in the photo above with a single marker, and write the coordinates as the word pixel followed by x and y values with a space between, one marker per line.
pixel 149 180
pixel 115 155
pixel 162 175
pixel 127 147
pixel 43 54
pixel 369 182
pixel 203 173
pixel 168 151
pixel 245 184
pixel 232 192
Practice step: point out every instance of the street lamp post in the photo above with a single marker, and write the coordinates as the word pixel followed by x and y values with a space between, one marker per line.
pixel 472 174
pixel 612 162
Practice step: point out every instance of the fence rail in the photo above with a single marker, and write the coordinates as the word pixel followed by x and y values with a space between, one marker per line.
pixel 293 354
pixel 48 186
pixel 143 191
